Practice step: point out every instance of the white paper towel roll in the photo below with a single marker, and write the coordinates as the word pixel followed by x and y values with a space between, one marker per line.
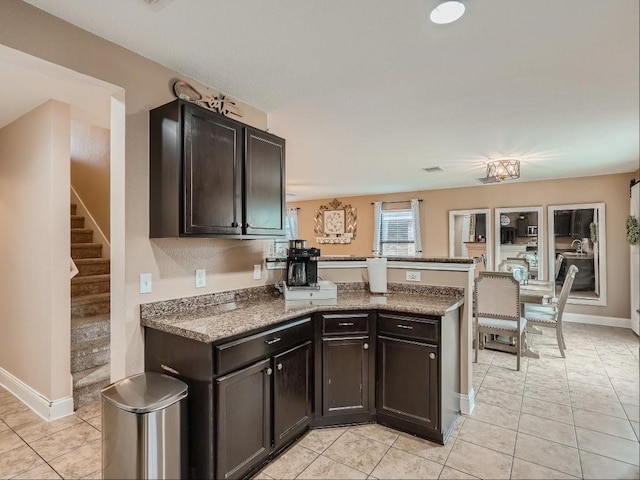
pixel 377 269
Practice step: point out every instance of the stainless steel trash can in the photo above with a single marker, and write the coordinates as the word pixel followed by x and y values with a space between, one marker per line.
pixel 144 428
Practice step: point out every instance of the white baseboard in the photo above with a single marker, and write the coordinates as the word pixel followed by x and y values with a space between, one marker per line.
pixel 48 409
pixel 468 402
pixel 597 320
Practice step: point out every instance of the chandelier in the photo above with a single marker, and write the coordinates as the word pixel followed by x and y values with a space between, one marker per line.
pixel 500 170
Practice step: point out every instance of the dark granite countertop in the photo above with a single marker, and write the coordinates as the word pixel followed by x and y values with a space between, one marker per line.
pixel 242 313
pixel 350 258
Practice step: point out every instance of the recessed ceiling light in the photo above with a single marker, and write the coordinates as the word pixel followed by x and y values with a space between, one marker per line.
pixel 447 12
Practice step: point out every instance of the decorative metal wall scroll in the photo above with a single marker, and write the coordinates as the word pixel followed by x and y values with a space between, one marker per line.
pixel 219 103
pixel 335 223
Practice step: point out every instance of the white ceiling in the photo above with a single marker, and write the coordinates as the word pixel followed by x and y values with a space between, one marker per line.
pixel 367 93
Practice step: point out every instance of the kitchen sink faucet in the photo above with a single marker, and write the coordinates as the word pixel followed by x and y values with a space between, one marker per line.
pixel 579 246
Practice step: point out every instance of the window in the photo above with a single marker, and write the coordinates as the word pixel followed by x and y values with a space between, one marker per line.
pixel 291 224
pixel 279 247
pixel 397 231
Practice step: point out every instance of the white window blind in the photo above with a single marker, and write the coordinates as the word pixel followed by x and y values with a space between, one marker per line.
pixel 397 231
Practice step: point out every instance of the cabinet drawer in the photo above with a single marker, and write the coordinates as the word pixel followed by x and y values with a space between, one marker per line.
pixel 341 323
pixel 232 355
pixel 409 327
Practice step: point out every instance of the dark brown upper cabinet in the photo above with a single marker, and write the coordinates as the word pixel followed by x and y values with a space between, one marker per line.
pixel 213 176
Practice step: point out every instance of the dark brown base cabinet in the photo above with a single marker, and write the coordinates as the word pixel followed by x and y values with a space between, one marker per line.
pixel 245 413
pixel 348 367
pixel 251 396
pixel 418 381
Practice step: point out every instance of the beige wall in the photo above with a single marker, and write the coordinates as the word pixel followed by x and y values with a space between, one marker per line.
pixel 434 210
pixel 90 167
pixel 34 250
pixel 228 263
pixel 147 84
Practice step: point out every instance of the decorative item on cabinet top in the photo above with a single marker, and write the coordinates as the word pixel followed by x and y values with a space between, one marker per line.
pixel 335 222
pixel 219 103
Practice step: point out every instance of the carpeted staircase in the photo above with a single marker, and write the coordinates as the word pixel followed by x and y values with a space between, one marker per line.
pixel 90 317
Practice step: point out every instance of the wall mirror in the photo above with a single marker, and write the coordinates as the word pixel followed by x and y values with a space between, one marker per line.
pixel 519 233
pixel 470 235
pixel 577 236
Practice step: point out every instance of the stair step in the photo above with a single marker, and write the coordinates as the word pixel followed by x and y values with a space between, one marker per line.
pixel 90 328
pixel 77 221
pixel 81 235
pixel 89 354
pixel 86 250
pixel 92 266
pixel 88 383
pixel 74 209
pixel 89 305
pixel 90 284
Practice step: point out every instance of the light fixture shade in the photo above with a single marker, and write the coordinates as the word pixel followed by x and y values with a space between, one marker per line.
pixel 499 170
pixel 447 12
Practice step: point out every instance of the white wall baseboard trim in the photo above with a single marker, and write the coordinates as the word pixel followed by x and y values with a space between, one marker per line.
pixel 468 402
pixel 597 320
pixel 48 409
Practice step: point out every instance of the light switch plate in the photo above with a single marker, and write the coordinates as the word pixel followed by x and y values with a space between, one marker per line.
pixel 257 272
pixel 413 276
pixel 145 283
pixel 201 278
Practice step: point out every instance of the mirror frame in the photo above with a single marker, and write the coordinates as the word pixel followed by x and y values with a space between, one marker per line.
pixel 542 262
pixel 488 237
pixel 601 273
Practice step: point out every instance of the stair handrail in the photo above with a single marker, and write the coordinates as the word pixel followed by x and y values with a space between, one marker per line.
pixel 102 238
pixel 73 269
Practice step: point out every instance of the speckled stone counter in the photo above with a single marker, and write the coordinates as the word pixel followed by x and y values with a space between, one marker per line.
pixel 349 258
pixel 215 317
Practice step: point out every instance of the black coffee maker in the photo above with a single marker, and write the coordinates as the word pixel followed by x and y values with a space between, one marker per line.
pixel 302 264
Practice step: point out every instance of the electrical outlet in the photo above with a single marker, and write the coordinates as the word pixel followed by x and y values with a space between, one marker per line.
pixel 257 272
pixel 201 278
pixel 413 276
pixel 145 283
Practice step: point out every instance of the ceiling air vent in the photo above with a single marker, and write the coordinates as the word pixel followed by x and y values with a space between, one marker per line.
pixel 433 169
pixel 486 180
pixel 156 5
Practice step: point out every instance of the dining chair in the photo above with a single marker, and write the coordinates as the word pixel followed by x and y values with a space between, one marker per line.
pixel 530 257
pixel 558 264
pixel 496 298
pixel 513 263
pixel 551 315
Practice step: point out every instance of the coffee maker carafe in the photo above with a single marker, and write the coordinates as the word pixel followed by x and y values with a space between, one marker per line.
pixel 302 265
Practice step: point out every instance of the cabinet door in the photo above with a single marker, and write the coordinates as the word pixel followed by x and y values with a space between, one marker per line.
pixel 291 393
pixel 243 413
pixel 345 371
pixel 408 381
pixel 212 174
pixel 264 183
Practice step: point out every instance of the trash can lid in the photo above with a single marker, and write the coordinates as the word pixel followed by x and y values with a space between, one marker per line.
pixel 145 392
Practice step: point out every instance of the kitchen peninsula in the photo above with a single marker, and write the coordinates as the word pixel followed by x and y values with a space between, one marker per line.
pixel 261 370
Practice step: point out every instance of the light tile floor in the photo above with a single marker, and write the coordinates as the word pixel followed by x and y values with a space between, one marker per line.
pixel 557 418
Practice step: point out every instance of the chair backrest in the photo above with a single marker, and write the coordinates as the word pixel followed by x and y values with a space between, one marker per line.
pixel 566 289
pixel 518 261
pixel 530 257
pixel 497 295
pixel 558 266
pixel 511 264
